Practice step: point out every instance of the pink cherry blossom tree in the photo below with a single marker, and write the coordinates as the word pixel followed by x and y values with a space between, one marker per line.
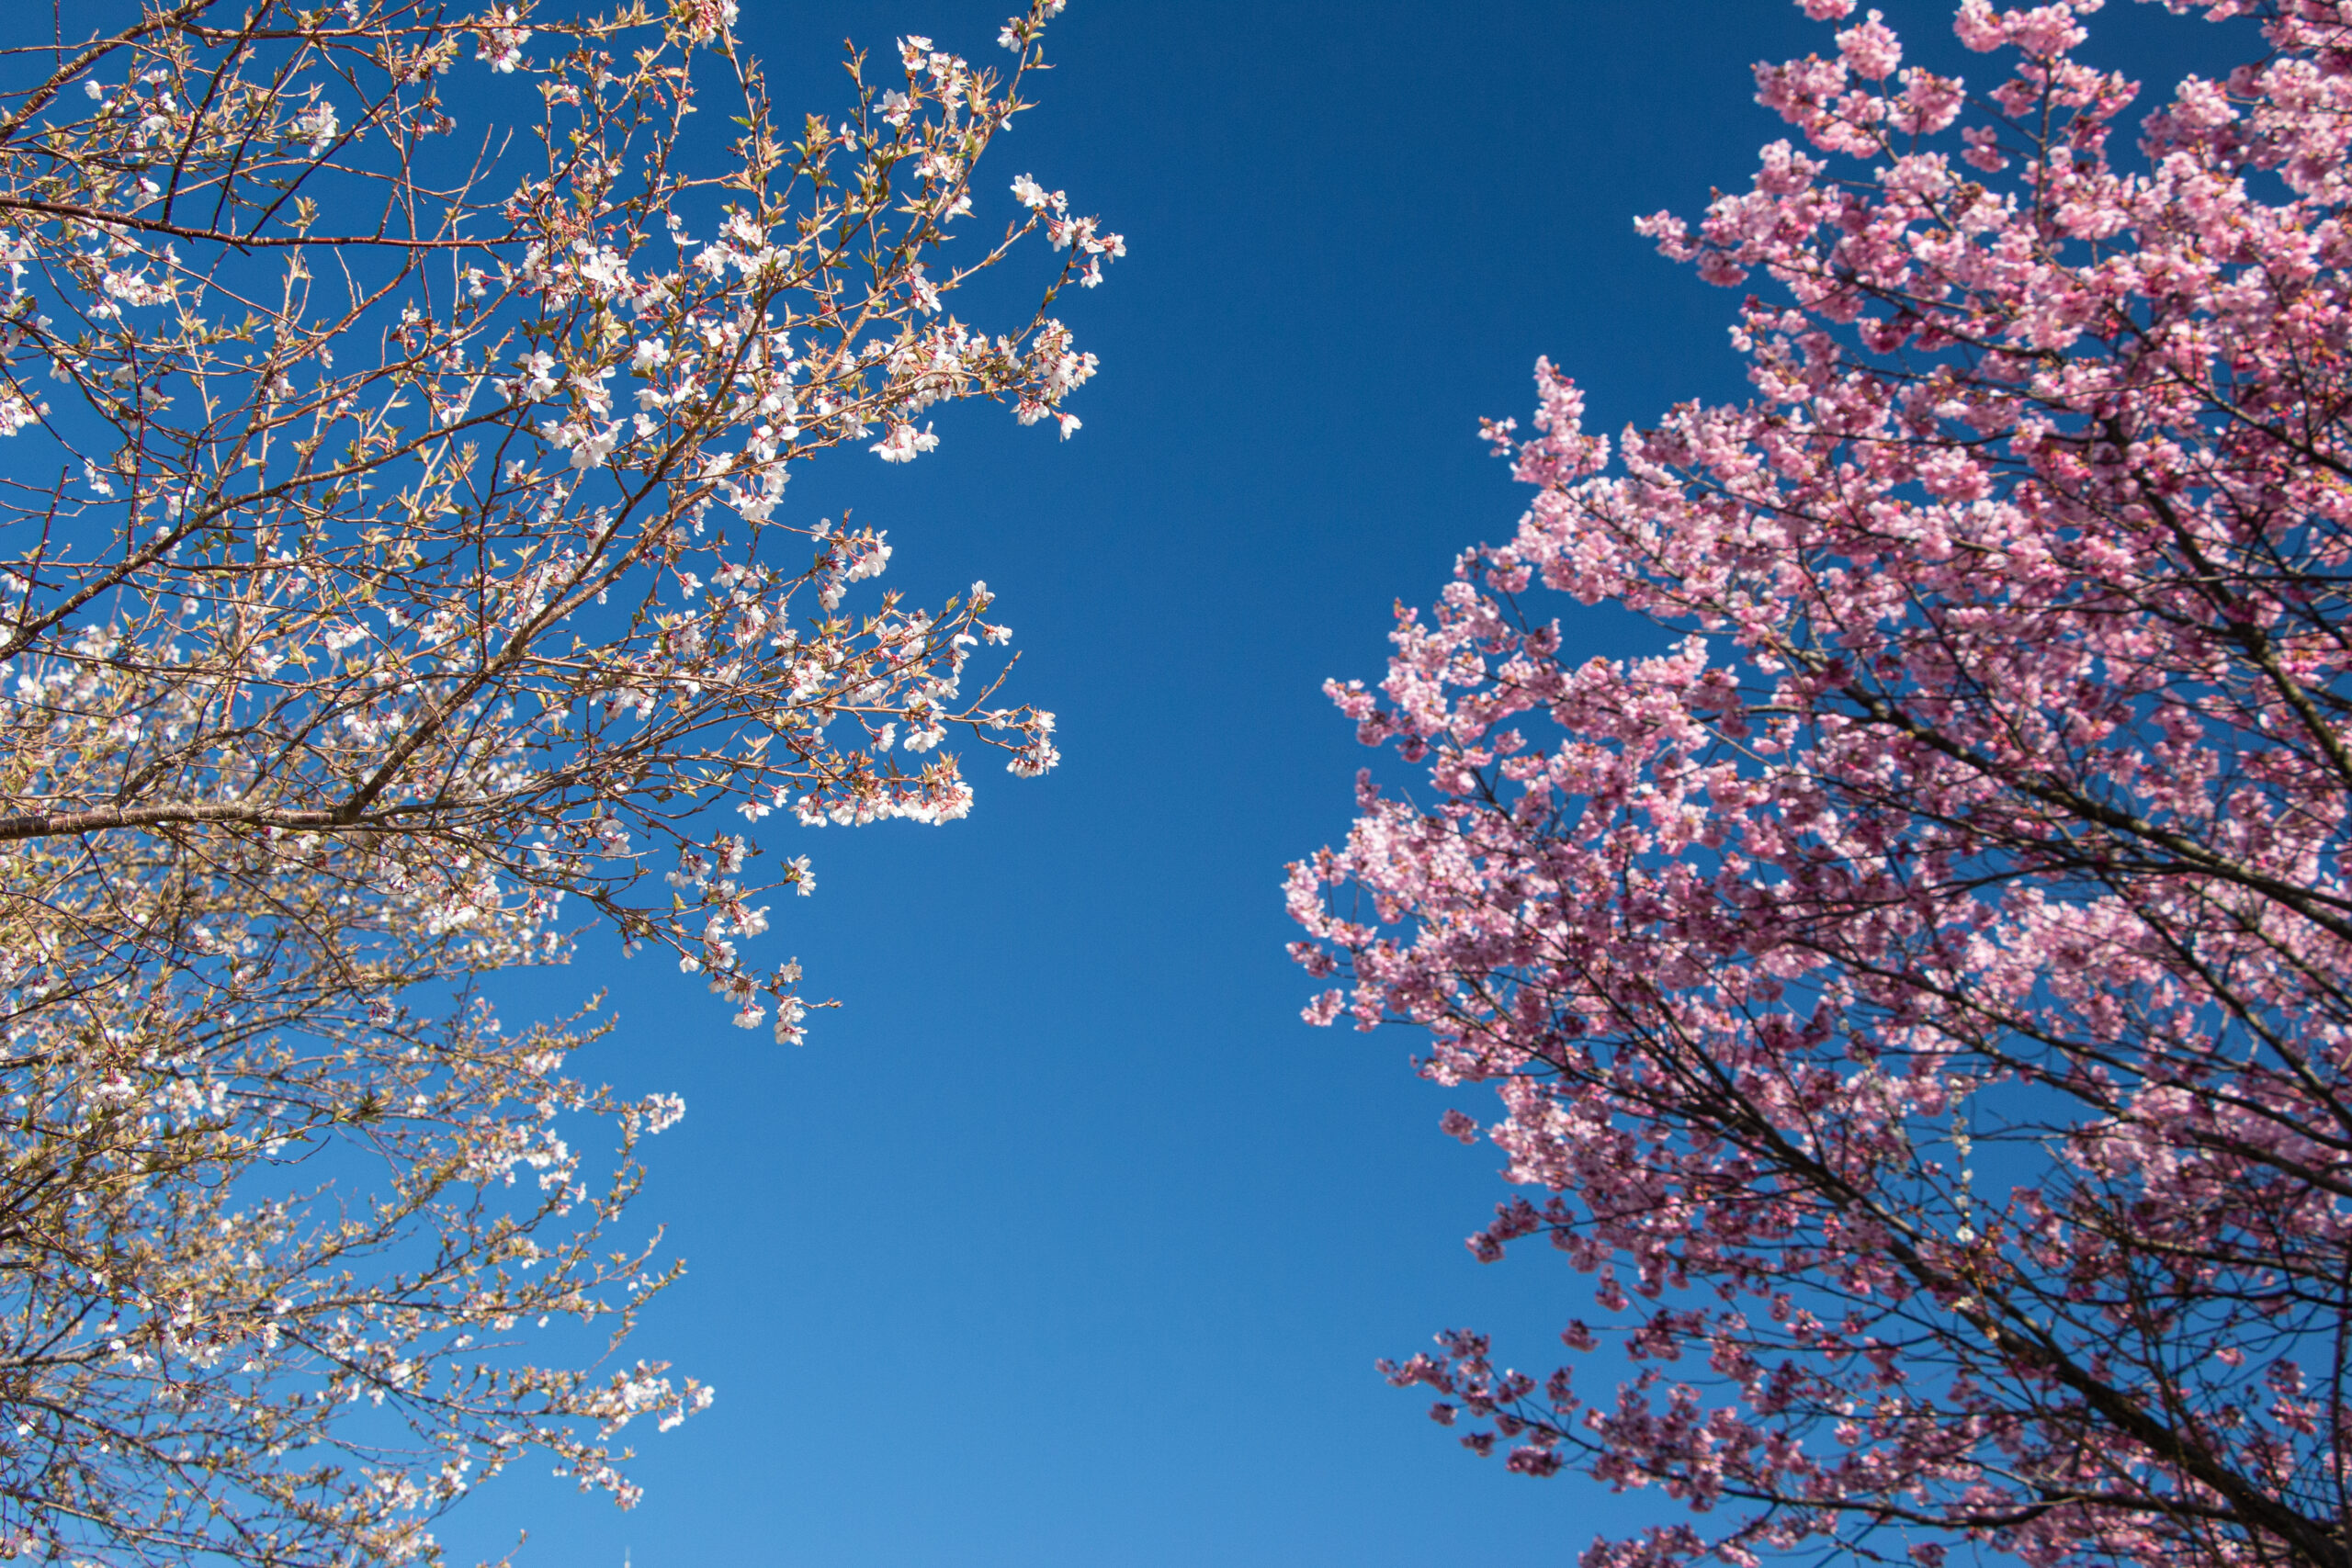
pixel 1920 995
pixel 395 578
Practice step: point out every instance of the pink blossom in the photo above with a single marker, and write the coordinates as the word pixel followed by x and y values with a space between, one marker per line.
pixel 1916 995
pixel 1870 51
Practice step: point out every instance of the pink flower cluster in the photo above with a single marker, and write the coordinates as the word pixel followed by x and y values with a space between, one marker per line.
pixel 1917 994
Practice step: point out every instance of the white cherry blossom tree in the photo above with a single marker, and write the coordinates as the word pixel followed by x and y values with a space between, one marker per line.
pixel 394 580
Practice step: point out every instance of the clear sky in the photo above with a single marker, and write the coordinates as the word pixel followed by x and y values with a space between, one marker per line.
pixel 1064 1242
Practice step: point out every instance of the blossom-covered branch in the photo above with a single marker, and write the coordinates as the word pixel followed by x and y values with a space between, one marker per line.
pixel 395 577
pixel 1917 994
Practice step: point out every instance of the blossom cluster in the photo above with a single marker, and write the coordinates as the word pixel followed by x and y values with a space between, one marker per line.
pixel 421 591
pixel 1916 993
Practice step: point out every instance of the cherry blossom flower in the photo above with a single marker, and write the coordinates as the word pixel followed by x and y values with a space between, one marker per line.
pixel 1915 992
pixel 333 686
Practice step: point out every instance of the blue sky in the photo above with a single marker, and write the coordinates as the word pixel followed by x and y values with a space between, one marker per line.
pixel 1064 1242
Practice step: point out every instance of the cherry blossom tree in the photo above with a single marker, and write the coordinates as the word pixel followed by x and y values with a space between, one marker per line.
pixel 1917 994
pixel 395 581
